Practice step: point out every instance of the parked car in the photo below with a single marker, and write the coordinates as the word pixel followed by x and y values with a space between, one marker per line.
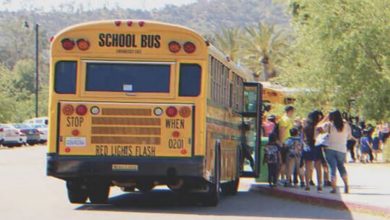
pixel 37 121
pixel 31 133
pixel 11 136
pixel 42 132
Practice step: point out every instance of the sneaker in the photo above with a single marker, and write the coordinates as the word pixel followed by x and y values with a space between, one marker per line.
pixel 346 189
pixel 307 188
pixel 319 189
pixel 312 183
pixel 333 191
pixel 302 184
pixel 327 183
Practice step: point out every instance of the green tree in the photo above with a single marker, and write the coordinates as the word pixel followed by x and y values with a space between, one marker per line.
pixel 264 49
pixel 341 54
pixel 228 41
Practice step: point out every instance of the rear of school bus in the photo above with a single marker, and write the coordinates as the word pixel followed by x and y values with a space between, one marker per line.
pixel 126 107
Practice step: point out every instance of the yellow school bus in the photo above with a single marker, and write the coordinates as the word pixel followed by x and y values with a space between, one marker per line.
pixel 136 104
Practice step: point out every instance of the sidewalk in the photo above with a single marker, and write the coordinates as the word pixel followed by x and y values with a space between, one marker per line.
pixel 369 191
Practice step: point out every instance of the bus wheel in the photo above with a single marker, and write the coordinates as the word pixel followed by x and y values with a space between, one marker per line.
pixel 76 192
pixel 230 188
pixel 145 187
pixel 212 196
pixel 98 192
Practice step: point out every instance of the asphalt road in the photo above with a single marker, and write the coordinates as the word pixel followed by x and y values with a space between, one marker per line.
pixel 27 193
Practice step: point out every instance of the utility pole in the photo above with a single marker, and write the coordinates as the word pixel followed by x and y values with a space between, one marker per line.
pixel 36 29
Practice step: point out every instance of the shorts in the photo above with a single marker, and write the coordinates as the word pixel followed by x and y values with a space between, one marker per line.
pixel 336 160
pixel 313 154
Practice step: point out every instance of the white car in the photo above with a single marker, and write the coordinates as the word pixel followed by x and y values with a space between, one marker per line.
pixel 11 136
pixel 42 132
pixel 37 121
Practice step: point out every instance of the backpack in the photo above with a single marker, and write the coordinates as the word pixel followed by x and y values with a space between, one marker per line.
pixel 356 132
pixel 275 131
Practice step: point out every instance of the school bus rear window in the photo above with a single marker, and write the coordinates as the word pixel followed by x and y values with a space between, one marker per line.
pixel 65 77
pixel 120 77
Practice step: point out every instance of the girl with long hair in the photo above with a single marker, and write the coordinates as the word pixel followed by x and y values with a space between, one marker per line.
pixel 339 132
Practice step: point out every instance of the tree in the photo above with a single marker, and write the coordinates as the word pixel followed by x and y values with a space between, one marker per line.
pixel 228 41
pixel 264 49
pixel 341 53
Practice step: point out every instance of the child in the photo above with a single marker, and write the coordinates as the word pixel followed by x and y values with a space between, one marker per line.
pixel 273 158
pixel 365 146
pixel 294 145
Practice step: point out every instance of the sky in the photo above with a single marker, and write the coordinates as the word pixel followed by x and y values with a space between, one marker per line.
pixel 47 5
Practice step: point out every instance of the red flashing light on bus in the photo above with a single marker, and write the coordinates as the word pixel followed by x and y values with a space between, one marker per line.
pixel 141 23
pixel 189 47
pixel 174 46
pixel 68 44
pixel 129 23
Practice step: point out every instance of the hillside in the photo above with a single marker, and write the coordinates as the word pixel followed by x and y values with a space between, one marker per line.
pixel 205 16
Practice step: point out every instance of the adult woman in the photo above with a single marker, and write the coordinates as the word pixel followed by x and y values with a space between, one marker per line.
pixel 310 152
pixel 338 134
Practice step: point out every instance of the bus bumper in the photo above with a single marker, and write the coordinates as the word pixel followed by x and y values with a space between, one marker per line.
pixel 65 167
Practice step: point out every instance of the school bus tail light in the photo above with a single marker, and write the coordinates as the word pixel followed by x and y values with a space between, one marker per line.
pixel 67 44
pixel 171 111
pixel 67 110
pixel 83 44
pixel 185 112
pixel 75 132
pixel 175 134
pixel 174 46
pixel 81 110
pixel 189 47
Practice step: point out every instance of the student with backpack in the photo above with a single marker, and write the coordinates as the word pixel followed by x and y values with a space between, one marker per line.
pixel 273 158
pixel 294 145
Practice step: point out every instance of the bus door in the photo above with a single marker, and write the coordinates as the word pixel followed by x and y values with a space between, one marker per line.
pixel 251 130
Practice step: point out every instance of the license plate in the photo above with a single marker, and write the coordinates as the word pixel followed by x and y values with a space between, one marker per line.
pixel 125 167
pixel 75 141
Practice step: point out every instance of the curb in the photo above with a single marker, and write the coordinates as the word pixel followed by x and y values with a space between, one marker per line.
pixel 320 201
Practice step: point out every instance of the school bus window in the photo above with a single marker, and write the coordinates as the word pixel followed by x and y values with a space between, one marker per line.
pixel 128 77
pixel 190 77
pixel 65 77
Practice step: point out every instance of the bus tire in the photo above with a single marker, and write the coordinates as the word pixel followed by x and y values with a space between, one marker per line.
pixel 98 192
pixel 76 192
pixel 230 188
pixel 212 196
pixel 145 187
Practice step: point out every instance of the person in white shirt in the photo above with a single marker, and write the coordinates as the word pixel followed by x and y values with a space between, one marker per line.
pixel 336 147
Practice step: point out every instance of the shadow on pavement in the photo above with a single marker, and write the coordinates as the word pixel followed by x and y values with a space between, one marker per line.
pixel 244 204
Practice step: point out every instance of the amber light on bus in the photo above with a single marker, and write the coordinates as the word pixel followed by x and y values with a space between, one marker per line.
pixel 68 110
pixel 83 44
pixel 174 47
pixel 185 112
pixel 68 44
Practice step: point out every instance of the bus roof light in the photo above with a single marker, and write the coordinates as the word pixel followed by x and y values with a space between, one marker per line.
pixel 174 46
pixel 141 23
pixel 118 23
pixel 185 112
pixel 129 23
pixel 189 47
pixel 67 44
pixel 83 44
